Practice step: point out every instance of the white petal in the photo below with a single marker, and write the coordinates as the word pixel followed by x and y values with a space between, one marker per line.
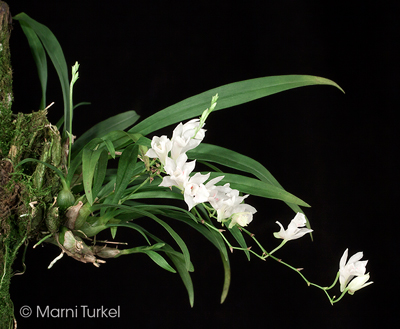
pixel 214 181
pixel 301 232
pixel 358 283
pixel 343 259
pixel 355 257
pixel 189 201
pixel 299 219
pixel 151 153
pixel 167 182
pixel 281 233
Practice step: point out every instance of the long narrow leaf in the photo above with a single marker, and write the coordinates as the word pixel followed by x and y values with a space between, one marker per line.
pixel 185 276
pixel 209 234
pixel 181 266
pixel 126 167
pixel 89 162
pixel 77 160
pixel 100 172
pixel 142 211
pixel 227 277
pixel 161 194
pixel 240 239
pixel 110 147
pixel 215 239
pixel 179 261
pixel 229 95
pixel 150 251
pixel 117 122
pixel 232 159
pixel 235 160
pixel 134 226
pixel 166 209
pixel 39 56
pixel 177 238
pixel 56 55
pixel 253 186
pixel 159 260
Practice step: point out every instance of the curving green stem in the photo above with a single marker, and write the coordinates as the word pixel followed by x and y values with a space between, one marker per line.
pixel 266 254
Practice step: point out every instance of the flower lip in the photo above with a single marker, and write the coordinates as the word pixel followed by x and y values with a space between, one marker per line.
pixel 358 283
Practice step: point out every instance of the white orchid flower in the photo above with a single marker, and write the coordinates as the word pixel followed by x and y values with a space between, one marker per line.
pixel 195 192
pixel 183 138
pixel 160 146
pixel 242 215
pixel 358 283
pixel 226 206
pixel 295 229
pixel 353 267
pixel 178 172
pixel 217 193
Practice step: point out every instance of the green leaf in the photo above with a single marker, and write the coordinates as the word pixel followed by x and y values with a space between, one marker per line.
pixel 157 194
pixel 77 159
pixel 110 147
pixel 117 122
pixel 231 159
pixel 248 185
pixel 56 55
pixel 100 172
pixel 143 211
pixel 214 237
pixel 165 210
pixel 126 167
pixel 133 226
pixel 177 239
pixel 227 277
pixel 239 238
pixel 80 104
pixel 107 189
pixel 90 159
pixel 39 56
pixel 113 231
pixel 234 160
pixel 178 259
pixel 185 276
pixel 229 95
pixel 157 246
pixel 180 263
pixel 159 260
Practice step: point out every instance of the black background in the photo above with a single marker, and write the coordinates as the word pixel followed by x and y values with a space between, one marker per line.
pixel 335 151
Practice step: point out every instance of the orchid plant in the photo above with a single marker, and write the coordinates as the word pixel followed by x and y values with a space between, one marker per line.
pixel 71 194
pixel 226 205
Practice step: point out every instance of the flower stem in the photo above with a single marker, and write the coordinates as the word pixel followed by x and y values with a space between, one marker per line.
pixel 334 282
pixel 340 297
pixel 266 254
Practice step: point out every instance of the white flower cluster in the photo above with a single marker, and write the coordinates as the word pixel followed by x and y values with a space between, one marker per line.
pixel 172 155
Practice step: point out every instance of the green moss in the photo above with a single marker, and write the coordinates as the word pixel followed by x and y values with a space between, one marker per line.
pixel 10 234
pixel 23 203
pixel 6 96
